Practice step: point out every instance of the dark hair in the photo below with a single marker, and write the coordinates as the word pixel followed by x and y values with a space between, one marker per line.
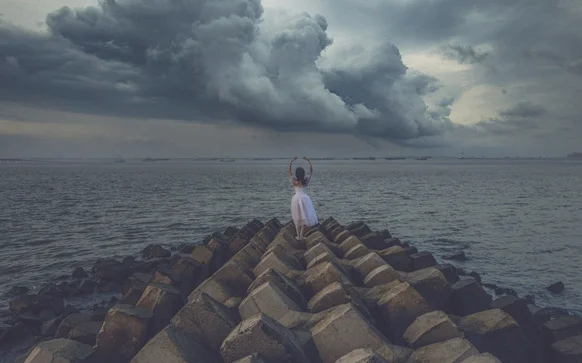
pixel 300 176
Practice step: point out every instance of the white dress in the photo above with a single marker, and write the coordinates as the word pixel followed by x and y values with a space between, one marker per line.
pixel 302 209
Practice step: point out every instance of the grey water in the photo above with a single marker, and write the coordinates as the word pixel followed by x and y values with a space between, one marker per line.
pixel 518 221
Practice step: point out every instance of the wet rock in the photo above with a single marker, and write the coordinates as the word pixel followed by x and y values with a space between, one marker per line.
pixel 110 270
pixel 430 328
pixel 433 285
pixel 79 273
pixel 374 241
pixel 86 287
pixel 173 345
pixel 155 251
pixel 70 322
pixel 457 256
pixel 469 297
pixel 345 329
pixel 206 319
pixel 567 350
pixel 497 332
pixel 482 358
pixel 397 257
pixel 475 275
pixel 449 271
pixel 410 250
pixel 230 231
pixel 61 351
pixel 267 299
pixel 542 315
pixel 562 328
pixel 362 355
pixel 399 307
pixel 360 230
pixel 18 290
pixel 455 350
pixel 123 334
pixel 34 304
pixel 381 275
pixel 265 336
pixel 11 334
pixel 163 301
pixel 86 333
pixel 49 327
pixel 556 288
pixel 422 260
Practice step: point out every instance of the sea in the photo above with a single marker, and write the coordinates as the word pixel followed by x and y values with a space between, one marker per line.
pixel 519 222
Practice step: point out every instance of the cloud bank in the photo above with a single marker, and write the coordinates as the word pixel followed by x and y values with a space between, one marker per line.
pixel 213 61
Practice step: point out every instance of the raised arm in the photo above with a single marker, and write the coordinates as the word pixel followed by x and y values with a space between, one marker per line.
pixel 310 166
pixel 289 169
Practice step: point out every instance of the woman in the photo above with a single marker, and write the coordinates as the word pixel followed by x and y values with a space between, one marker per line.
pixel 302 209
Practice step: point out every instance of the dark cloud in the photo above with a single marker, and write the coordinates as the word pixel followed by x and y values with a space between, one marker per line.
pixel 522 118
pixel 210 61
pixel 464 54
pixel 524 109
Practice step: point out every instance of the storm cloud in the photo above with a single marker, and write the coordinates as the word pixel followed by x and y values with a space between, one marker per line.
pixel 213 61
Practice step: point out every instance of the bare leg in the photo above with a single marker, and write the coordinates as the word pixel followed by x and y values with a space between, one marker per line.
pixel 298 230
pixel 301 233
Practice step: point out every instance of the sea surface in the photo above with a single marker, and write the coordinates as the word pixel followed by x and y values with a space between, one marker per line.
pixel 518 221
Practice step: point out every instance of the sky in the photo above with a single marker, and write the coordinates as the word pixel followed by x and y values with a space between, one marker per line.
pixel 227 78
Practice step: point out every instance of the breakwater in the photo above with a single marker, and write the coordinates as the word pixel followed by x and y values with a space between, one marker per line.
pixel 256 294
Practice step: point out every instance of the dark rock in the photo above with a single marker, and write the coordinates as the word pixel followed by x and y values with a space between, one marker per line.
pixel 496 332
pixel 155 251
pixel 461 271
pixel 469 297
pixel 123 334
pixel 567 350
pixel 110 270
pixel 411 250
pixel 556 288
pixel 18 290
pixel 490 285
pixel 530 299
pixel 163 301
pixel 386 234
pixel 515 307
pixel 562 328
pixel 79 273
pixel 87 287
pixel 422 260
pixel 230 231
pixel 9 335
pixel 86 332
pixel 505 291
pixel 476 276
pixel 449 271
pixel 71 321
pixel 541 315
pixel 128 260
pixel 458 256
pixel 186 248
pixel 34 304
pixel 60 350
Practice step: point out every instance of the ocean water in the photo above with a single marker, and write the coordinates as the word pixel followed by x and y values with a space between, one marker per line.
pixel 519 222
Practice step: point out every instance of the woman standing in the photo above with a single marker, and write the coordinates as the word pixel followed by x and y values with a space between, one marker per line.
pixel 302 209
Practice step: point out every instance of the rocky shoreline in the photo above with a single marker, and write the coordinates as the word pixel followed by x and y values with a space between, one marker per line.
pixel 256 294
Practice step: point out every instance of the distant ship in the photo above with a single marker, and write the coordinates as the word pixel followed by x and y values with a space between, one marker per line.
pixel 422 158
pixel 462 155
pixel 368 158
pixel 574 156
pixel 227 160
pixel 395 158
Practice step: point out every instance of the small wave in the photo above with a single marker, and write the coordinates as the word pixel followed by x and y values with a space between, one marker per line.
pixel 40 242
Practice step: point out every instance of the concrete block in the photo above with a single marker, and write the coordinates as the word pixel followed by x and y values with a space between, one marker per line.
pixel 451 351
pixel 59 350
pixel 430 328
pixel 384 274
pixel 263 335
pixel 267 299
